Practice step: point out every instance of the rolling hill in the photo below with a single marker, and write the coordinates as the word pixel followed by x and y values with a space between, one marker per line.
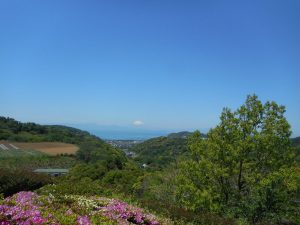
pixel 183 134
pixel 161 151
pixel 13 130
pixel 57 139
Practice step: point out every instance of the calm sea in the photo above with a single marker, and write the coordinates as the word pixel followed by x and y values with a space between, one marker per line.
pixel 128 135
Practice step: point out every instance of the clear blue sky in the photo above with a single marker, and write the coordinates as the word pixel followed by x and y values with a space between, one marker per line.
pixel 169 64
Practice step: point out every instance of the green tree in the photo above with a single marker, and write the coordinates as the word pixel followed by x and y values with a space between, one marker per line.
pixel 245 168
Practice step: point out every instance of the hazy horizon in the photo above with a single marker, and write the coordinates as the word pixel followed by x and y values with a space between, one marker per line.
pixel 129 132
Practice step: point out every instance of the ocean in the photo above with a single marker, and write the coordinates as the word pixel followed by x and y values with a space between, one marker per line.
pixel 127 135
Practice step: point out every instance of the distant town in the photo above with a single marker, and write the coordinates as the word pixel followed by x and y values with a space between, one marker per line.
pixel 125 145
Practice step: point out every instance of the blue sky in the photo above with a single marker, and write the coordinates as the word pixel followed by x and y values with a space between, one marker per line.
pixel 173 65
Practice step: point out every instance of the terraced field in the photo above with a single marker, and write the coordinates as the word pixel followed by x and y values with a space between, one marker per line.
pixel 41 148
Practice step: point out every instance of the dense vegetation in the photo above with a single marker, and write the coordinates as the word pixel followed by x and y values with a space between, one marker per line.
pixel 246 168
pixel 13 130
pixel 160 152
pixel 182 134
pixel 13 181
pixel 296 145
pixel 296 141
pixel 91 148
pixel 30 163
pixel 244 171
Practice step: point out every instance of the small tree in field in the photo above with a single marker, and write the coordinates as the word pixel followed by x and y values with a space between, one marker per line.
pixel 245 168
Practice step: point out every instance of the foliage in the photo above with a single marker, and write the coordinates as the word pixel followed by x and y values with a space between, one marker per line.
pixel 93 151
pixel 122 181
pixel 113 179
pixel 13 181
pixel 183 134
pixel 245 169
pixel 13 130
pixel 83 186
pixel 160 152
pixel 296 141
pixel 296 144
pixel 33 162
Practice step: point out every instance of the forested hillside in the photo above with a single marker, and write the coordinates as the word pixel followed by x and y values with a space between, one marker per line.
pixel 183 134
pixel 160 152
pixel 91 148
pixel 13 130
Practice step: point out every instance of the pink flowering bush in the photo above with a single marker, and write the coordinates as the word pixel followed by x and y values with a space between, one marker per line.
pixel 28 208
pixel 121 211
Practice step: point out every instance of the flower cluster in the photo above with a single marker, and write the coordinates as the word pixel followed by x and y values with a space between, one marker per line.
pixel 121 211
pixel 28 208
pixel 23 209
pixel 83 220
pixel 82 201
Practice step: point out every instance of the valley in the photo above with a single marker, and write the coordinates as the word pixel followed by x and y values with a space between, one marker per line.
pixel 158 174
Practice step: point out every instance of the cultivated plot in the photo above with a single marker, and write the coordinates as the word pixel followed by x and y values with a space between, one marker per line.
pixel 28 148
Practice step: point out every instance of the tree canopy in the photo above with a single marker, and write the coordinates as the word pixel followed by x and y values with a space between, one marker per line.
pixel 245 168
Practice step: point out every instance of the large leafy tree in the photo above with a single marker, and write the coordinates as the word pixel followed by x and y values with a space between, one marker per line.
pixel 245 168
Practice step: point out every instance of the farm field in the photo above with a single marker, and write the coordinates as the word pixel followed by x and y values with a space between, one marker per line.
pixel 40 148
